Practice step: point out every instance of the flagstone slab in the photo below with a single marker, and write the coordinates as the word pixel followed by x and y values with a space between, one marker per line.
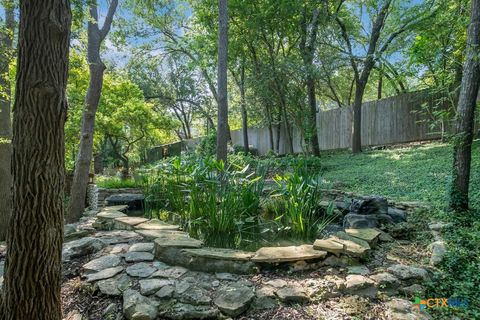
pixel 110 214
pixel 286 254
pixel 154 234
pixel 354 247
pixel 128 223
pixel 216 260
pixel 104 274
pixel 156 225
pixel 369 235
pixel 220 254
pixel 121 208
pixel 99 264
pixel 329 245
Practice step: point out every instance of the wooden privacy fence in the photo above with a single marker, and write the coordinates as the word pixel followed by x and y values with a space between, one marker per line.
pixel 404 118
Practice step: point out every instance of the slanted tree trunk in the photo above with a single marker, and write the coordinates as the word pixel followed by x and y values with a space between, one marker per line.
pixel 34 256
pixel 462 153
pixel 222 126
pixel 97 67
pixel 6 45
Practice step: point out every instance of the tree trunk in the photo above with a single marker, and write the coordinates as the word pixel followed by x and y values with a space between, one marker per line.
pixel 97 67
pixel 312 101
pixel 222 130
pixel 34 257
pixel 466 114
pixel 244 110
pixel 5 125
pixel 357 118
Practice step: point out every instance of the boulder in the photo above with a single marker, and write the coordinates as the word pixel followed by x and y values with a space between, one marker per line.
pixel 359 221
pixel 438 252
pixel 235 299
pixel 354 247
pixel 369 235
pixel 82 247
pixel 370 205
pixel 405 272
pixel 413 290
pixel 138 307
pixel 293 293
pixel 360 285
pixel 385 280
pixel 397 215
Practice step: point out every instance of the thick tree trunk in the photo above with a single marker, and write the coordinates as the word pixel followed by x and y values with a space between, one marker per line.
pixel 5 124
pixel 357 118
pixel 97 67
pixel 222 130
pixel 466 114
pixel 34 255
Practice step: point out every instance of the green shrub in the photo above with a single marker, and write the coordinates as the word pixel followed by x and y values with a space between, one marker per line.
pixel 208 145
pixel 116 182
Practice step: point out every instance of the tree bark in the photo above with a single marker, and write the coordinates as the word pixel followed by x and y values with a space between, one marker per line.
pixel 97 68
pixel 462 153
pixel 34 256
pixel 222 126
pixel 243 105
pixel 6 44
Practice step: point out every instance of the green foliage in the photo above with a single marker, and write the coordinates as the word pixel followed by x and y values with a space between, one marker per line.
pixel 116 182
pixel 301 211
pixel 208 145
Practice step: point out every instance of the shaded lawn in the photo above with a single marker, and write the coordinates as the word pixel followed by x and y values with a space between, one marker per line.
pixel 413 173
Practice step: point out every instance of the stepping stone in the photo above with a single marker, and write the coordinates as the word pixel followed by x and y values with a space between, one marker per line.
pixel 110 215
pixel 368 235
pixel 120 248
pixel 285 254
pixel 119 236
pixel 329 245
pixel 140 270
pixel 104 274
pixel 405 272
pixel 165 292
pixel 114 286
pixel 102 263
pixel 138 307
pixel 127 223
pixel 150 286
pixel 293 294
pixel 138 256
pixel 177 241
pixel 151 235
pixel 173 272
pixel 385 279
pixel 277 283
pixel 353 246
pixel 122 208
pixel 141 247
pixel 195 295
pixel 226 276
pixel 82 247
pixel 156 225
pixel 220 254
pixel 234 300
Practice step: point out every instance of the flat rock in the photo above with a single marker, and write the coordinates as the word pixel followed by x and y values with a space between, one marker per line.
pixel 104 274
pixel 114 286
pixel 226 276
pixel 141 247
pixel 165 292
pixel 405 272
pixel 119 248
pixel 413 290
pixel 369 235
pixel 108 261
pixel 118 236
pixel 122 208
pixel 438 252
pixel 329 245
pixel 220 254
pixel 172 272
pixel 110 215
pixel 277 283
pixel 353 246
pixel 180 311
pixel 234 300
pixel 385 279
pixel 156 225
pixel 177 242
pixel 138 307
pixel 150 286
pixel 359 269
pixel 360 285
pixel 195 295
pixel 138 256
pixel 293 293
pixel 82 247
pixel 285 254
pixel 128 223
pixel 151 235
pixel 141 270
